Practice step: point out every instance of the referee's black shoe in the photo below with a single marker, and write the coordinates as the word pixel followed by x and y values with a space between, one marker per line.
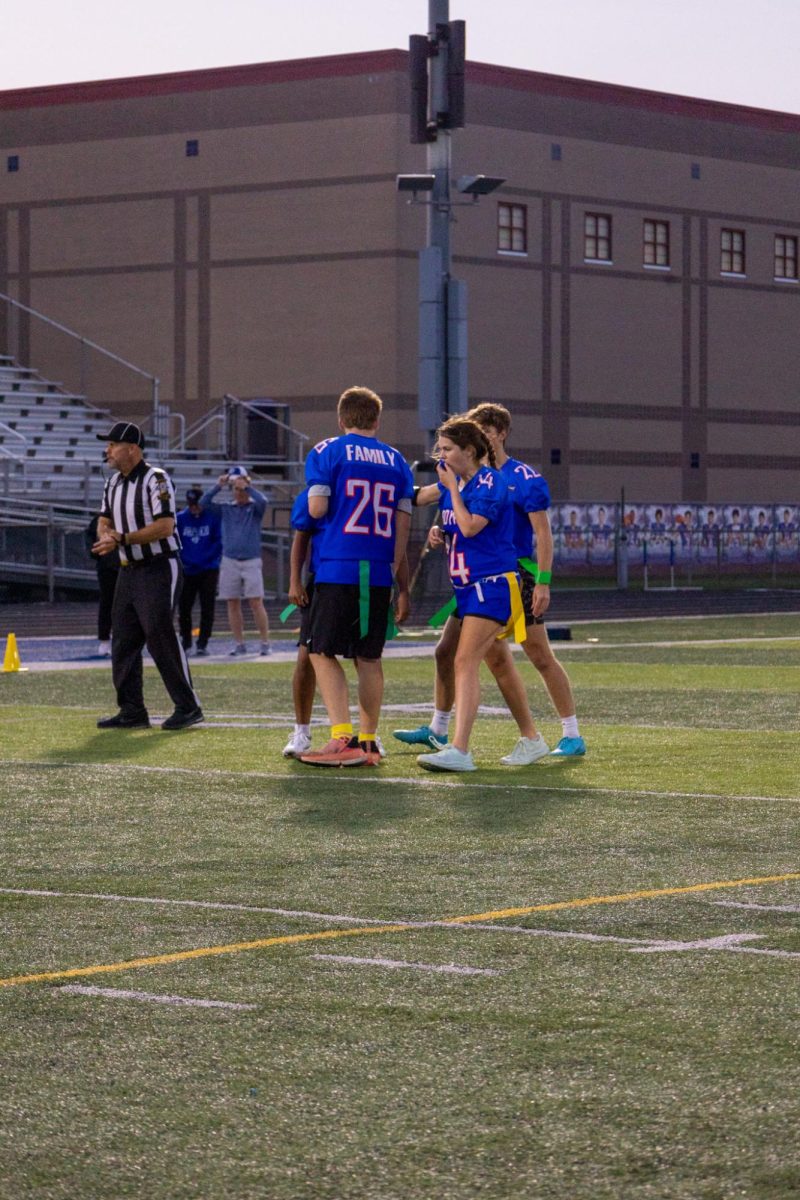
pixel 183 717
pixel 122 720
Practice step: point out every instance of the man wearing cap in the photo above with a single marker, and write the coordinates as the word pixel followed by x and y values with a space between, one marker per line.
pixel 241 572
pixel 137 518
pixel 201 550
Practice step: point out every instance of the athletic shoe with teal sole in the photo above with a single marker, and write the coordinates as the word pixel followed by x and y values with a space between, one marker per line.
pixel 424 736
pixel 569 748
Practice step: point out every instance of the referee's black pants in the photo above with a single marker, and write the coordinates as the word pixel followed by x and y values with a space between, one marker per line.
pixel 144 603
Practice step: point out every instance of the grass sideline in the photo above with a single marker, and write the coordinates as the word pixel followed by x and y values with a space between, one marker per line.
pixel 599 1061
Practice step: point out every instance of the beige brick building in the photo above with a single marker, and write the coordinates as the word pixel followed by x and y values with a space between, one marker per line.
pixel 633 288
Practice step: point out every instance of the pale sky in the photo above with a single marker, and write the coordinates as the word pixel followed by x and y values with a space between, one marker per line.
pixel 732 50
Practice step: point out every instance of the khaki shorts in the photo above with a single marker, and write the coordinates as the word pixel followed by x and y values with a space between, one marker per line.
pixel 241 579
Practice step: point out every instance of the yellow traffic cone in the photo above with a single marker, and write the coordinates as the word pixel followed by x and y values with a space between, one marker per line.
pixel 11 659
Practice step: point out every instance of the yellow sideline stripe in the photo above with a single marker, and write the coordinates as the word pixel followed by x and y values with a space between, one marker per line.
pixel 620 898
pixel 202 952
pixel 293 938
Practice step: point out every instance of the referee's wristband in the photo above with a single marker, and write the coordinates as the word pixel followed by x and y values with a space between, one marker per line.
pixel 543 576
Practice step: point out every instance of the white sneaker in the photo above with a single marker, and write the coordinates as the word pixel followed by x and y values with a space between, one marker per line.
pixel 449 759
pixel 526 751
pixel 379 744
pixel 104 649
pixel 298 743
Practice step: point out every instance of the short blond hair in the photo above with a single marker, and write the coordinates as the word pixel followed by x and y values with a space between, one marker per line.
pixel 359 408
pixel 496 415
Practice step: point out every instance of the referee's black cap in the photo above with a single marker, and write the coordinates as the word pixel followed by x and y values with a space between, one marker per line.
pixel 123 431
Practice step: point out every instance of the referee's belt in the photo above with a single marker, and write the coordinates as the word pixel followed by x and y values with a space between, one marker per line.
pixel 145 562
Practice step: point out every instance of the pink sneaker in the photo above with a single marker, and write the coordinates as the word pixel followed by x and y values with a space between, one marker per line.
pixel 339 752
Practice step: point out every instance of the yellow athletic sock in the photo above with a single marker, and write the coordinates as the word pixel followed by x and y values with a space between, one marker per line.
pixel 366 737
pixel 343 730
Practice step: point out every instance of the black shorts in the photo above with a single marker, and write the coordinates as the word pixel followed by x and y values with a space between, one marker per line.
pixel 335 621
pixel 526 585
pixel 305 614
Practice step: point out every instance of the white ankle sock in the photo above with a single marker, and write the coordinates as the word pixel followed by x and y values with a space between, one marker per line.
pixel 440 721
pixel 569 725
pixel 306 729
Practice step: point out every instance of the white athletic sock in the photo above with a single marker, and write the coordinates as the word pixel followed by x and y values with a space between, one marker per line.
pixel 569 726
pixel 440 721
pixel 306 729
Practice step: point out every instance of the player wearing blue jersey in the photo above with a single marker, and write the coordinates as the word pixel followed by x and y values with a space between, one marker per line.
pixel 363 490
pixel 304 552
pixel 478 525
pixel 531 499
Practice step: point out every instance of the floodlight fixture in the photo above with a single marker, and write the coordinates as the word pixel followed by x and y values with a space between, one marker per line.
pixel 415 183
pixel 478 185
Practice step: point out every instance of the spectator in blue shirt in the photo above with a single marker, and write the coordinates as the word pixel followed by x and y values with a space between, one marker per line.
pixel 241 576
pixel 201 551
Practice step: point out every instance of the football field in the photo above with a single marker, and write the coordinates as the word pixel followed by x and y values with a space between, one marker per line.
pixel 225 974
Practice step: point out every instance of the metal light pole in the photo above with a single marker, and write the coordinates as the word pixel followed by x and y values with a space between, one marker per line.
pixel 437 106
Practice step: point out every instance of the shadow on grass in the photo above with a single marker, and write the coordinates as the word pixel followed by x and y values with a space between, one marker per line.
pixel 108 746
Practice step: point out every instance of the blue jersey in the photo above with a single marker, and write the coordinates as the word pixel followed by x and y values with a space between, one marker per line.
pixel 301 519
pixel 492 551
pixel 366 482
pixel 201 540
pixel 529 494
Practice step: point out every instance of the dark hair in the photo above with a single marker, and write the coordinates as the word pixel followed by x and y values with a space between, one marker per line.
pixel 465 432
pixel 496 415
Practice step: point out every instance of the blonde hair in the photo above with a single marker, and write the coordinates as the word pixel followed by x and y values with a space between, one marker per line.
pixel 359 408
pixel 464 432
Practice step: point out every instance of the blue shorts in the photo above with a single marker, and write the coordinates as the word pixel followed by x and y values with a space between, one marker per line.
pixel 489 598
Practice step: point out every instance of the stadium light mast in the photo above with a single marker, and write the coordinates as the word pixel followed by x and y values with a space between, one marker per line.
pixel 436 63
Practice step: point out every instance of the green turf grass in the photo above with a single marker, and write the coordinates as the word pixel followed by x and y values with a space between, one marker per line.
pixel 583 1069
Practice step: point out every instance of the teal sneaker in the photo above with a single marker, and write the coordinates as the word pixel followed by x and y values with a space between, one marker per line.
pixel 569 748
pixel 424 736
pixel 449 759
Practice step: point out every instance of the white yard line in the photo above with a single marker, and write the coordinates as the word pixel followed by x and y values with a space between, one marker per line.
pixel 395 964
pixel 784 908
pixel 75 989
pixel 441 781
pixel 725 942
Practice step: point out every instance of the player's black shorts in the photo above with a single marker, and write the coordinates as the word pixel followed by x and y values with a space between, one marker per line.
pixel 526 585
pixel 305 614
pixel 335 621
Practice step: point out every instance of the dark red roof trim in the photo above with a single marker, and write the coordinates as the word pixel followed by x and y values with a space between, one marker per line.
pixel 341 65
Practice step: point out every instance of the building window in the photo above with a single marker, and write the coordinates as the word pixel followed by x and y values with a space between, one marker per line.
pixel 694 460
pixel 13 162
pixel 656 244
pixel 785 257
pixel 732 251
pixel 695 170
pixel 555 458
pixel 555 151
pixel 192 148
pixel 512 228
pixel 597 237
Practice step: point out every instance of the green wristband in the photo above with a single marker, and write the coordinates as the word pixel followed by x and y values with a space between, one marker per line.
pixel 544 576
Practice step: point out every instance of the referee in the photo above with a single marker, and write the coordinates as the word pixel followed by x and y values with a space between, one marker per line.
pixel 137 517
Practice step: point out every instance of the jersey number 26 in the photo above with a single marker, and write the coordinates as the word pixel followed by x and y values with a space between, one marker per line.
pixel 374 508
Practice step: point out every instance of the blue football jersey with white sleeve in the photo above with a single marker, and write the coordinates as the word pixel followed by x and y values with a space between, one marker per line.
pixel 301 519
pixel 529 493
pixel 366 482
pixel 492 551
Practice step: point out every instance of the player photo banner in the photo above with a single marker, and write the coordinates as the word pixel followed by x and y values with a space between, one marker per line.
pixel 572 538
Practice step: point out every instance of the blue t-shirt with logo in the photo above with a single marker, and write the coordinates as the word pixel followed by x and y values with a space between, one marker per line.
pixel 301 519
pixel 201 540
pixel 529 493
pixel 366 482
pixel 492 551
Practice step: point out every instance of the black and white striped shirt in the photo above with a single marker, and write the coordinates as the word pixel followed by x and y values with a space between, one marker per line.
pixel 130 502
